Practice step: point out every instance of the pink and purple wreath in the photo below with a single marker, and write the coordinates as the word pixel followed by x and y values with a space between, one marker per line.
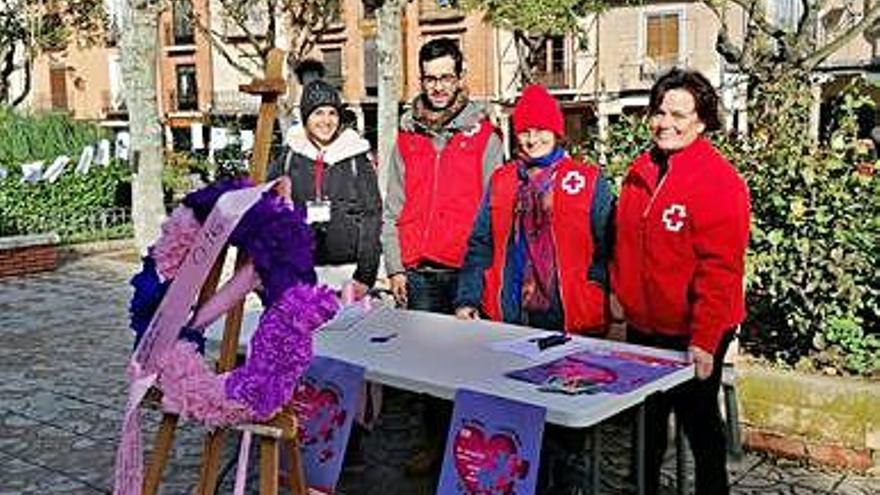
pixel 279 245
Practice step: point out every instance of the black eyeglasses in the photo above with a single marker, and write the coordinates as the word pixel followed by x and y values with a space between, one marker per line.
pixel 446 80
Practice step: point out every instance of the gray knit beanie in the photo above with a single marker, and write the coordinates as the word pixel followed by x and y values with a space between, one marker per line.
pixel 318 93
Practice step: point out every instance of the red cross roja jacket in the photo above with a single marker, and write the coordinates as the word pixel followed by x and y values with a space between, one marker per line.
pixel 443 190
pixel 583 300
pixel 680 246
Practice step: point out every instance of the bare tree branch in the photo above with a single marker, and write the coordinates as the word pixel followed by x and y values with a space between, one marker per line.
pixel 758 16
pixel 869 18
pixel 240 12
pixel 214 38
pixel 271 11
pixel 724 45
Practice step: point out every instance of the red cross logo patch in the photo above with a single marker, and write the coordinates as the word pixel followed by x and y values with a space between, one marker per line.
pixel 472 130
pixel 673 217
pixel 573 182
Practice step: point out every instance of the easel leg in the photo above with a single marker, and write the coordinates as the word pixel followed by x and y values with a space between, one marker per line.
pixel 210 462
pixel 268 466
pixel 296 475
pixel 159 456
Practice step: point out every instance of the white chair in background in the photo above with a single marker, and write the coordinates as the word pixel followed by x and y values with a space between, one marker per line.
pixel 32 172
pixel 85 160
pixel 102 157
pixel 56 169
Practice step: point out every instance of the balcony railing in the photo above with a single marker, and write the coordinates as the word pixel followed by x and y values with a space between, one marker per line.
pixel 439 10
pixel 552 80
pixel 183 102
pixel 112 104
pixel 235 102
pixel 179 36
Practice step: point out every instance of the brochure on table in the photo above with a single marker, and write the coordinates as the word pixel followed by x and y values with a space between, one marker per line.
pixel 598 369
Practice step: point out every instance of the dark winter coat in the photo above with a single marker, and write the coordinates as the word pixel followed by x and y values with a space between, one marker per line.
pixel 350 184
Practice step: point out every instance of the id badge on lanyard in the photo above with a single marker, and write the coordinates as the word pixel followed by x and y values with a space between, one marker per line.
pixel 318 211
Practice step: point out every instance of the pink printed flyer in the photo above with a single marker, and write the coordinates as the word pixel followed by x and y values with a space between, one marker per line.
pixel 598 371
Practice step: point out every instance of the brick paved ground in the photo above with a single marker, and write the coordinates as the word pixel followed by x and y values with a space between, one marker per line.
pixel 63 348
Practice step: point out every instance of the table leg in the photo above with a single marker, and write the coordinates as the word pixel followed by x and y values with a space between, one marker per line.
pixel 640 449
pixel 680 460
pixel 595 459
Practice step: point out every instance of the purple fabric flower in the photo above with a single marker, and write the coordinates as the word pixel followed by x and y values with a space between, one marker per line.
pixel 281 349
pixel 148 293
pixel 276 238
pixel 202 201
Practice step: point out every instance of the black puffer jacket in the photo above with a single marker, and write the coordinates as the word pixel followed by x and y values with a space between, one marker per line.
pixel 350 184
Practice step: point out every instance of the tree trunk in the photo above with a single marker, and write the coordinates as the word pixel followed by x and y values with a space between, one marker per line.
pixel 389 57
pixel 139 50
pixel 7 62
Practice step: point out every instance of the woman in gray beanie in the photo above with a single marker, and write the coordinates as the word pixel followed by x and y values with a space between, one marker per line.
pixel 333 177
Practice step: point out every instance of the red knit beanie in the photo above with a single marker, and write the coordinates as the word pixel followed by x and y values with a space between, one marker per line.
pixel 538 109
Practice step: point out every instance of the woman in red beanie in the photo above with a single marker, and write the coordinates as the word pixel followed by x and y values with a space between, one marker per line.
pixel 682 230
pixel 538 251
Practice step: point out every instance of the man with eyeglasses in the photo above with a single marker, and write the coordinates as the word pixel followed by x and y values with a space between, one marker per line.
pixel 446 151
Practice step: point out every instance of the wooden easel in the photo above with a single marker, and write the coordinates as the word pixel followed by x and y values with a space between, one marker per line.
pixel 282 428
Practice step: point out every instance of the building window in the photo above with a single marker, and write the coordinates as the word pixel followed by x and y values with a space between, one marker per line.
pixel 550 62
pixel 58 87
pixel 182 23
pixel 439 9
pixel 187 91
pixel 333 66
pixel 662 32
pixel 370 8
pixel 787 13
pixel 371 68
pixel 334 14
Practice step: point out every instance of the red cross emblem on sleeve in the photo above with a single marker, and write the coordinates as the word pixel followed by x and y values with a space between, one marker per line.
pixel 573 182
pixel 673 217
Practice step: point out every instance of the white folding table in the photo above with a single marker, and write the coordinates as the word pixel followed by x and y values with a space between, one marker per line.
pixel 438 354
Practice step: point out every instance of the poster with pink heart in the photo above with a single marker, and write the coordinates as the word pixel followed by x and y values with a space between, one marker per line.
pixel 325 402
pixel 493 446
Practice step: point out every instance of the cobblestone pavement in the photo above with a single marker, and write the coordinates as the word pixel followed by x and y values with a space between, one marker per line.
pixel 63 349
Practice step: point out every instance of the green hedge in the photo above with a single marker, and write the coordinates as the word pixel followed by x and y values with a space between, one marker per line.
pixel 25 138
pixel 77 207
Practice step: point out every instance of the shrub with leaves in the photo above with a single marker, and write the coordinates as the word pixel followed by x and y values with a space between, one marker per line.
pixel 77 207
pixel 25 138
pixel 626 139
pixel 813 281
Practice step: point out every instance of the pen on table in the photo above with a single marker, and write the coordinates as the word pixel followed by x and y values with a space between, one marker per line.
pixel 550 340
pixel 382 338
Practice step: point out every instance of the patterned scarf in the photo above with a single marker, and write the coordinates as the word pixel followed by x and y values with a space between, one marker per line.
pixel 533 230
pixel 436 120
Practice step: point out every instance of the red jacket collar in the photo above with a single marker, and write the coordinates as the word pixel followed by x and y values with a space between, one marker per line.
pixel 684 161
